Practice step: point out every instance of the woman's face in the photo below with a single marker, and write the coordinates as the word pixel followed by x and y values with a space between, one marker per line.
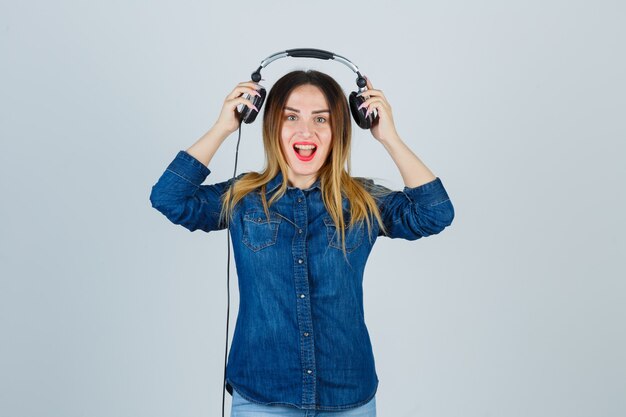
pixel 306 134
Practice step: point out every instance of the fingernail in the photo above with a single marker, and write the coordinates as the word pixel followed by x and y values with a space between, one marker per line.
pixel 257 110
pixel 361 106
pixel 367 113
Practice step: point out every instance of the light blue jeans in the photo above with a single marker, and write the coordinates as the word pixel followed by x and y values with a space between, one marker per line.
pixel 244 408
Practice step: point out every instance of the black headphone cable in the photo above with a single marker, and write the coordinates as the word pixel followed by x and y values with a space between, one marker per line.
pixel 228 272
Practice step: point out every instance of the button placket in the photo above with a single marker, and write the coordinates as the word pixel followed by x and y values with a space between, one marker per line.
pixel 304 311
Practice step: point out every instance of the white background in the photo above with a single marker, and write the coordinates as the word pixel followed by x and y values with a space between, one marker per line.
pixel 517 309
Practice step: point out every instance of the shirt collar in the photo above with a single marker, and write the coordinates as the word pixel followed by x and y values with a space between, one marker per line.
pixel 278 180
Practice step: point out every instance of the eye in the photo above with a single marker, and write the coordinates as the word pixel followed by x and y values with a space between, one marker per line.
pixel 291 115
pixel 321 119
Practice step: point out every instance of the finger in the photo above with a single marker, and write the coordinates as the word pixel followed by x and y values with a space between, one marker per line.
pixel 369 101
pixel 238 91
pixel 247 84
pixel 380 107
pixel 240 100
pixel 368 93
pixel 371 93
pixel 250 84
pixel 374 107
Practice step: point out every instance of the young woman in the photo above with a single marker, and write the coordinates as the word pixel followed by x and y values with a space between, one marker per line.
pixel 302 230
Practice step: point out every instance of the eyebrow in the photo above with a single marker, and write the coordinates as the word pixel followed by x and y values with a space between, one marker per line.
pixel 313 112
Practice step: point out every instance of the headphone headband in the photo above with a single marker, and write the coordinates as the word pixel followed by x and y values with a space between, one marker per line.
pixel 365 121
pixel 309 53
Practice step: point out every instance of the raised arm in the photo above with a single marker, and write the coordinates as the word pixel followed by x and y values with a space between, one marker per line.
pixel 178 193
pixel 414 172
pixel 423 208
pixel 227 122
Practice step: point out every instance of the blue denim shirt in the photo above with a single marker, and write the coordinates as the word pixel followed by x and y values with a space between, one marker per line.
pixel 300 338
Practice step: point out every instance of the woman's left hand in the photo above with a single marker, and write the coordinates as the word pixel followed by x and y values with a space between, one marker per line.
pixel 383 128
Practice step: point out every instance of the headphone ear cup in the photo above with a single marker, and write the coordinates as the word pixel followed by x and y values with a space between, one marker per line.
pixel 359 114
pixel 247 115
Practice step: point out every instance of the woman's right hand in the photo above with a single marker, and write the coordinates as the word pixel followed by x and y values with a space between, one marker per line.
pixel 228 119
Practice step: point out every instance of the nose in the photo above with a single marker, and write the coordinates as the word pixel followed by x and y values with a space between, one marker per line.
pixel 306 128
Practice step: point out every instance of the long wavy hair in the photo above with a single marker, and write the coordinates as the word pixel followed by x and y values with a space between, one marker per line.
pixel 335 179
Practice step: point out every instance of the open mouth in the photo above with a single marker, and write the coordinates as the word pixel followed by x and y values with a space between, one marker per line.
pixel 304 151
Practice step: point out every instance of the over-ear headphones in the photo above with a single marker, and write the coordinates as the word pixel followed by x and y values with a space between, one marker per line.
pixel 247 115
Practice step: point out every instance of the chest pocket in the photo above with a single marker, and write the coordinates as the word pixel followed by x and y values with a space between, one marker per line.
pixel 354 235
pixel 258 232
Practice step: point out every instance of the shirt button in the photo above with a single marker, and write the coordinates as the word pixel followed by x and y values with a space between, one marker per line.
pixel 306 334
pixel 299 200
pixel 301 295
pixel 300 261
pixel 299 230
pixel 309 371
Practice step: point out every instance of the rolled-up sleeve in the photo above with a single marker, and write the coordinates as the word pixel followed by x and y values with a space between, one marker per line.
pixel 179 195
pixel 417 212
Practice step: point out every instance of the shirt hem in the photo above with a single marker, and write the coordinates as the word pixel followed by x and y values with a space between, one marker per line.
pixel 316 408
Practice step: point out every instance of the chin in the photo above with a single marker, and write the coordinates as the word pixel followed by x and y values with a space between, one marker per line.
pixel 300 168
pixel 312 171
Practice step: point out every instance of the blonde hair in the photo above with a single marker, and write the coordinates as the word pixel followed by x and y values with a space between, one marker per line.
pixel 334 175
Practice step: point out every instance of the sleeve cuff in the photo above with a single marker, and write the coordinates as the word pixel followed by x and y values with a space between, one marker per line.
pixel 429 194
pixel 186 166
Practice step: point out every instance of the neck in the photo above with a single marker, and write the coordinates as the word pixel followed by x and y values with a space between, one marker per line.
pixel 300 181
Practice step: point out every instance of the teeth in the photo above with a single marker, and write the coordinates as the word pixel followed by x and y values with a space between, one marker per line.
pixel 304 146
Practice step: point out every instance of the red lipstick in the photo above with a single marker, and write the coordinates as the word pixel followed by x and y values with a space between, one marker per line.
pixel 307 145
